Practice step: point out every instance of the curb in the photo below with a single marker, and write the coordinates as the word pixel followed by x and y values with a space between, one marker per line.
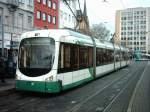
pixel 6 92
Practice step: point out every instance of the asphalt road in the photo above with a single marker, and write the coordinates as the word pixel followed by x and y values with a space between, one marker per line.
pixel 111 93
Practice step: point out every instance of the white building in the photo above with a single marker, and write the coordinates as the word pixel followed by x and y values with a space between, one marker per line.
pixel 16 17
pixel 133 28
pixel 66 18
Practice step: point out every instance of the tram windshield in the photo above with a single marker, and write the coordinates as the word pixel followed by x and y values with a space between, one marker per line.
pixel 36 56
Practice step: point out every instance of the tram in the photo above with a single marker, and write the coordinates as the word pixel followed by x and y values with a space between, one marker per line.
pixel 53 60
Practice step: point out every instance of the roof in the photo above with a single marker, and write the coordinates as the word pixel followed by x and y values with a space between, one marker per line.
pixel 69 36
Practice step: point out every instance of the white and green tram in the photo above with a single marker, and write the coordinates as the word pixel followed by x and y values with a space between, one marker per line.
pixel 54 60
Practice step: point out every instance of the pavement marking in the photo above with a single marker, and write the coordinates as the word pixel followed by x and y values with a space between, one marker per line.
pixel 72 102
pixel 99 109
pixel 75 108
pixel 109 105
pixel 135 90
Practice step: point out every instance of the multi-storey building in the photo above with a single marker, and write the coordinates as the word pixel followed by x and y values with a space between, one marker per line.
pixel 66 17
pixel 16 17
pixel 46 14
pixel 133 29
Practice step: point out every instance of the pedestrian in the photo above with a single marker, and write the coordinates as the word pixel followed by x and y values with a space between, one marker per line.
pixel 2 69
pixel 14 62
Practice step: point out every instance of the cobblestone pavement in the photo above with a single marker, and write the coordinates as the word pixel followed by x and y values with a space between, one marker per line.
pixel 112 93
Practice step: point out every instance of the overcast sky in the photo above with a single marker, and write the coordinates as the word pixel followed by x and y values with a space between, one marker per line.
pixel 104 12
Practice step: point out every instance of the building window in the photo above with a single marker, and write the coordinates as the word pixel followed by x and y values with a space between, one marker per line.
pixel 44 2
pixel 49 18
pixel 69 18
pixel 21 1
pixel 20 20
pixel 38 15
pixel 54 6
pixel 39 1
pixel 30 21
pixel 44 16
pixel 54 20
pixel 65 16
pixel 30 2
pixel 61 14
pixel 49 3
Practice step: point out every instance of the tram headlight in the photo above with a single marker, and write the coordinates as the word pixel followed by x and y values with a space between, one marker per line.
pixel 49 78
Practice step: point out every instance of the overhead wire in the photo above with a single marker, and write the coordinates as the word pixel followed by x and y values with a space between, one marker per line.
pixel 70 9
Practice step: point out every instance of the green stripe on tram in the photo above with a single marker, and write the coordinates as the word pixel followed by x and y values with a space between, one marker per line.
pixel 91 71
pixel 30 85
pixel 39 86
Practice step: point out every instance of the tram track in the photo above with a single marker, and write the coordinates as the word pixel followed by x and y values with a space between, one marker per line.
pixel 132 81
pixel 68 101
pixel 79 106
pixel 22 100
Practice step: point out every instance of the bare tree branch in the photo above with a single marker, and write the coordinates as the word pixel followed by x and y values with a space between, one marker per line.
pixel 100 32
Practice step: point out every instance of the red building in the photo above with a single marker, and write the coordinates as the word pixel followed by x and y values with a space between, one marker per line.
pixel 46 14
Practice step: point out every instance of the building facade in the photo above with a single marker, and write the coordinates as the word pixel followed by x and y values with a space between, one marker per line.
pixel 66 17
pixel 16 17
pixel 46 14
pixel 133 29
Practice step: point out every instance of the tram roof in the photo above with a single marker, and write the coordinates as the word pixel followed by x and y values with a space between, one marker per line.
pixel 69 36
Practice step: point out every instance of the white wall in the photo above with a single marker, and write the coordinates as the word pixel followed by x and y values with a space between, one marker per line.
pixel 66 18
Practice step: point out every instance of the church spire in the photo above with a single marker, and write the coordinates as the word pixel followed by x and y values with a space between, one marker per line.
pixel 85 11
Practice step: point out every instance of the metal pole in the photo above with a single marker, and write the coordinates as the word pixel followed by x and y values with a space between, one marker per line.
pixel 2 35
pixel 113 41
pixel 94 57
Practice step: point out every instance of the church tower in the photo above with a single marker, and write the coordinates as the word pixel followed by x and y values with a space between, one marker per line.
pixel 83 23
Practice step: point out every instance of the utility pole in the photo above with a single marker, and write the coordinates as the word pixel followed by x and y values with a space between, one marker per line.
pixel 2 25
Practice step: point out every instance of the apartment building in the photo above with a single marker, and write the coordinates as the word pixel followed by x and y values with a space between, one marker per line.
pixel 46 14
pixel 133 29
pixel 66 17
pixel 16 17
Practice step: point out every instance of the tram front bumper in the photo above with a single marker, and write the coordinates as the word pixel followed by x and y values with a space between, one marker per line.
pixel 38 86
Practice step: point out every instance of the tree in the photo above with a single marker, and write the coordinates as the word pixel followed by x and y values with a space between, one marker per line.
pixel 100 32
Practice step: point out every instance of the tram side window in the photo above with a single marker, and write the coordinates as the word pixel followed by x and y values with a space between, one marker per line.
pixel 83 57
pixel 64 58
pixel 74 57
pixel 117 56
pixel 108 56
pixel 99 57
pixel 68 58
pixel 104 56
pixel 90 57
pixel 125 56
pixel 121 58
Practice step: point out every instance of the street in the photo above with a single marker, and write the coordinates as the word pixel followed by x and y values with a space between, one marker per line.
pixel 112 93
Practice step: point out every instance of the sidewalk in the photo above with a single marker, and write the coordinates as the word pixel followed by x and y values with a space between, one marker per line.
pixel 141 95
pixel 7 87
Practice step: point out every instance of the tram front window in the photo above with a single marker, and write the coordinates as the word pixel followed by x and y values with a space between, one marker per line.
pixel 36 56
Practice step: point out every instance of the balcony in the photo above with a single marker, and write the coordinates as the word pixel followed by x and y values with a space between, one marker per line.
pixel 13 5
